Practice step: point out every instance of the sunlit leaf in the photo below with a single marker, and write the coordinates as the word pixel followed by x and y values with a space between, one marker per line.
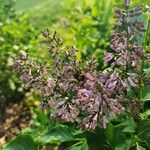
pixel 22 142
pixel 57 134
pixel 143 130
pixel 145 94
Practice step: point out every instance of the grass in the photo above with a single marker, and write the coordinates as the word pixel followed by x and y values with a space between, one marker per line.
pixel 49 14
pixel 29 5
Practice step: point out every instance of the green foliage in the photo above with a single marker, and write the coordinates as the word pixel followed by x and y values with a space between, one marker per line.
pixel 93 32
pixel 45 133
pixel 128 134
pixel 51 14
pixel 125 135
pixel 89 22
pixel 16 34
pixel 6 9
pixel 22 142
pixel 145 94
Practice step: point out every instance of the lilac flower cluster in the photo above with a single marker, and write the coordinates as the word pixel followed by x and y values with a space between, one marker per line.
pixel 126 54
pixel 75 90
pixel 124 47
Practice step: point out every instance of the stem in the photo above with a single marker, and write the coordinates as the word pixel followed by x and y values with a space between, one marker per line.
pixel 127 38
pixel 141 79
pixel 147 32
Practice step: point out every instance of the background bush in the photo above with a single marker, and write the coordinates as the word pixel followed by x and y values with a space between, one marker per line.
pixel 86 24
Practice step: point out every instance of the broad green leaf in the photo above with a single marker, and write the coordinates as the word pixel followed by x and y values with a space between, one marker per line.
pixel 22 142
pixel 130 93
pixel 146 94
pixel 147 72
pixel 57 134
pixel 124 146
pixel 109 132
pixel 143 130
pixel 74 148
pixel 145 115
pixel 129 129
pixel 41 117
pixel 123 134
pixel 143 134
pixel 129 125
pixel 96 140
pixel 82 145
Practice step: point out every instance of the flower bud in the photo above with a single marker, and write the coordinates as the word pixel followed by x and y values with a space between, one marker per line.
pixel 23 55
pixel 127 2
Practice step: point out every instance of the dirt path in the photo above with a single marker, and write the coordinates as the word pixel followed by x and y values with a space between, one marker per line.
pixel 16 117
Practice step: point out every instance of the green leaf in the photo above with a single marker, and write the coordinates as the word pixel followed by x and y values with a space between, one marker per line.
pixel 145 114
pixel 146 94
pixel 138 147
pixel 129 125
pixel 123 134
pixel 129 129
pixel 147 72
pixel 124 146
pixel 41 117
pixel 96 139
pixel 82 145
pixel 57 134
pixel 109 132
pixel 143 130
pixel 74 148
pixel 22 142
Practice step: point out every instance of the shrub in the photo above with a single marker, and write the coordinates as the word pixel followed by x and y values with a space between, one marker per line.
pixel 16 33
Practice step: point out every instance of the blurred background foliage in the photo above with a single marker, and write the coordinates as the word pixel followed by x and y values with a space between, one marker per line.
pixel 86 24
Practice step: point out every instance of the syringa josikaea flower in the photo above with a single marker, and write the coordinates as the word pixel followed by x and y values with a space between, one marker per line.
pixel 65 112
pixel 127 2
pixel 84 94
pixel 48 89
pixel 96 100
pixel 108 57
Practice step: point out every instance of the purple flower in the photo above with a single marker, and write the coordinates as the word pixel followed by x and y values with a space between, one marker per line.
pixel 90 76
pixel 120 46
pixel 91 80
pixel 25 77
pixel 65 71
pixel 104 76
pixel 89 122
pixel 48 89
pixel 115 106
pixel 84 94
pixel 135 11
pixel 23 55
pixel 104 121
pixel 120 61
pixel 42 106
pixel 139 26
pixel 108 57
pixel 65 112
pixel 111 85
pixel 131 82
pixel 90 84
pixel 127 2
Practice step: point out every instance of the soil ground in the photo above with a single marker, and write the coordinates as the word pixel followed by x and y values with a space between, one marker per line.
pixel 15 118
